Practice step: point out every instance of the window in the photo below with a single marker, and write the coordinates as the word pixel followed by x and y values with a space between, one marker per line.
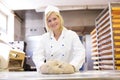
pixel 3 27
pixel 3 23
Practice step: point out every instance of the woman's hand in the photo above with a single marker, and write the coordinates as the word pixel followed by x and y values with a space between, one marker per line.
pixel 57 67
pixel 50 67
pixel 67 68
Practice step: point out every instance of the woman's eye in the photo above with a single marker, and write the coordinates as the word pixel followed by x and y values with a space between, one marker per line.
pixel 49 20
pixel 54 18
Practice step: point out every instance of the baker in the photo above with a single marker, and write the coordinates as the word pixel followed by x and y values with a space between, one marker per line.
pixel 58 46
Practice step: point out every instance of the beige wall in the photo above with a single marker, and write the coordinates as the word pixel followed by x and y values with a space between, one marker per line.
pixel 34 22
pixel 80 18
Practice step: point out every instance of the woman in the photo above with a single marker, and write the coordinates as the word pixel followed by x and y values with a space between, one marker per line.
pixel 58 43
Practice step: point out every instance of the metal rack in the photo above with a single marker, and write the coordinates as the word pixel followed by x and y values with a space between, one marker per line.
pixel 107 38
pixel 95 55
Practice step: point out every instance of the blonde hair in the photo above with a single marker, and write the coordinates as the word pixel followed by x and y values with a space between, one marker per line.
pixel 57 14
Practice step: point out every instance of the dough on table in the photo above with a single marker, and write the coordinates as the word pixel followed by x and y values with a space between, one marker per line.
pixel 56 67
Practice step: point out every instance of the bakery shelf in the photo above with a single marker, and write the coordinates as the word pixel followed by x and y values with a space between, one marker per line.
pixel 96 67
pixel 95 54
pixel 117 67
pixel 117 61
pixel 117 49
pixel 107 67
pixel 94 36
pixel 117 31
pixel 104 42
pixel 106 52
pixel 107 36
pixel 94 45
pixel 117 56
pixel 93 32
pixel 95 58
pixel 116 21
pixel 115 16
pixel 104 21
pixel 106 57
pixel 116 8
pixel 117 43
pixel 106 62
pixel 104 37
pixel 94 41
pixel 116 37
pixel 102 18
pixel 94 49
pixel 105 46
pixel 104 32
pixel 104 26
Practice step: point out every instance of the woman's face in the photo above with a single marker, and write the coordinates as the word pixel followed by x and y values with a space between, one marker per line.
pixel 53 22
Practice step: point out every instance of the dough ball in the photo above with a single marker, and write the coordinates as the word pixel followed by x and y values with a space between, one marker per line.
pixel 56 67
pixel 67 68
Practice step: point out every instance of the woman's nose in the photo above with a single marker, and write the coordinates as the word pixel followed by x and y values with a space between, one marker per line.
pixel 52 22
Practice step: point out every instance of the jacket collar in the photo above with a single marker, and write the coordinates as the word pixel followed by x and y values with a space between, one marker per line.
pixel 62 35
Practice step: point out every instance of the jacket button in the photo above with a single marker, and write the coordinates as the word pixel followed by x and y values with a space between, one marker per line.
pixel 51 38
pixel 62 44
pixel 51 46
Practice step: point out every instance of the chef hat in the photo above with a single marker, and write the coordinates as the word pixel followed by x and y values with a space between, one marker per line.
pixel 51 9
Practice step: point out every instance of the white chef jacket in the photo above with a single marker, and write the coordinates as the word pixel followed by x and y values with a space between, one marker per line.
pixel 68 48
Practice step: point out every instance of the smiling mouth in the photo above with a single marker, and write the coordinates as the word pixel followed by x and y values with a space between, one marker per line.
pixel 54 26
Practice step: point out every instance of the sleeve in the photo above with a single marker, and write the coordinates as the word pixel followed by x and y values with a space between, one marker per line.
pixel 78 53
pixel 38 55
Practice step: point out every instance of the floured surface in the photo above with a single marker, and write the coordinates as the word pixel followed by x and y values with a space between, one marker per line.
pixel 87 75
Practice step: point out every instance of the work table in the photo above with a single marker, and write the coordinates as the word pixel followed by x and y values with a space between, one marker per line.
pixel 85 75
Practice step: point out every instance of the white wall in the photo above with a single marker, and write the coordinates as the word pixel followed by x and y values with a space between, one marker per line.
pixel 10 21
pixel 33 23
pixel 88 47
pixel 17 30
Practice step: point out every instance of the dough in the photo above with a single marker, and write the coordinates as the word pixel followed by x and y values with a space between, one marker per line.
pixel 67 68
pixel 56 67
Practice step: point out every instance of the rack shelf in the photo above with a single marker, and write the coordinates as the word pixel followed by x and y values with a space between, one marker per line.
pixel 106 39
